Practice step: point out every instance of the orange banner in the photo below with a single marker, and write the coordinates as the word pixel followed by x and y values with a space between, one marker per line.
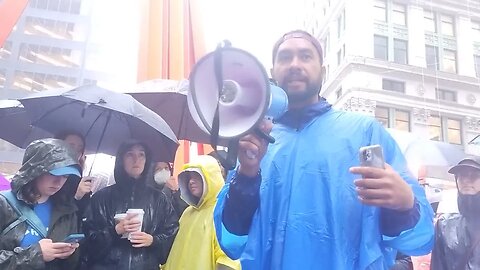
pixel 10 11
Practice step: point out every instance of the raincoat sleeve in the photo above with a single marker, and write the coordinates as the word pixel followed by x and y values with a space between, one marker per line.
pixel 223 260
pixel 164 236
pixel 417 240
pixel 438 255
pixel 99 230
pixel 236 206
pixel 18 258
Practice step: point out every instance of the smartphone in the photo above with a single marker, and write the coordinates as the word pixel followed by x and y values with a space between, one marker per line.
pixel 74 238
pixel 372 156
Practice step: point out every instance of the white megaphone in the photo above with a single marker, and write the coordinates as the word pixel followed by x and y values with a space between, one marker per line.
pixel 230 94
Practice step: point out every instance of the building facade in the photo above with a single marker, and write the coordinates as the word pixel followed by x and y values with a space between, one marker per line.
pixel 67 43
pixel 413 64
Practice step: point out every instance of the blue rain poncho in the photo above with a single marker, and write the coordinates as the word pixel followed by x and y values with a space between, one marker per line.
pixel 309 216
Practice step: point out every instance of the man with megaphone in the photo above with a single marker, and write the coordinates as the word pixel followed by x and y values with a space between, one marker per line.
pixel 304 202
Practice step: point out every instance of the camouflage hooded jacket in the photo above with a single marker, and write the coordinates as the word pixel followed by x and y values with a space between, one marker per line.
pixel 40 157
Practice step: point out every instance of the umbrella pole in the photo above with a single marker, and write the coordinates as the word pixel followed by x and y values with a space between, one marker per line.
pixel 100 141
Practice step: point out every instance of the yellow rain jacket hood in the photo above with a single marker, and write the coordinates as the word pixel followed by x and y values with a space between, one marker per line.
pixel 196 245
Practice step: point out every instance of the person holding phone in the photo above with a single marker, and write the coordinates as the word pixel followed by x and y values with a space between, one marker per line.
pixel 457 235
pixel 83 191
pixel 40 192
pixel 304 202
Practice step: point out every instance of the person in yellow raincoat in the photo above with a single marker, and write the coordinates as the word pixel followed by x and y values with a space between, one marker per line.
pixel 196 245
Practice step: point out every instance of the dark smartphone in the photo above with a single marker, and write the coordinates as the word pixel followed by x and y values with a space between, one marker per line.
pixel 74 238
pixel 371 156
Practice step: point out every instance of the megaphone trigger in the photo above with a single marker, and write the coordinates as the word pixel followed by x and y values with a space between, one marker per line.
pixel 264 135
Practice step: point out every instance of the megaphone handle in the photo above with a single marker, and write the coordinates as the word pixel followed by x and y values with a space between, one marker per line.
pixel 229 160
pixel 264 135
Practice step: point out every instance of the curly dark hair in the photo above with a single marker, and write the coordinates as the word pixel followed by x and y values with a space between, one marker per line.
pixel 30 192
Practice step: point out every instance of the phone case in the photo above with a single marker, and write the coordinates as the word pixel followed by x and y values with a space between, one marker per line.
pixel 74 238
pixel 372 156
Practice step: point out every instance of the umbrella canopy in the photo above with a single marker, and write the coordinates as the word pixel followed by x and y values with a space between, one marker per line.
pixel 15 125
pixel 104 117
pixel 433 153
pixel 168 98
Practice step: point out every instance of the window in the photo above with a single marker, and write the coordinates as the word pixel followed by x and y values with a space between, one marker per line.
pixel 476 31
pixel 381 113
pixel 430 22
pixel 400 53
pixel 2 78
pixel 449 61
pixel 380 10
pixel 6 50
pixel 392 85
pixel 341 24
pixel 339 57
pixel 446 95
pixel 446 25
pixel 381 47
pixel 431 55
pixel 445 129
pixel 399 14
pixel 477 65
pixel 53 5
pixel 393 118
pixel 434 125
pixel 402 120
pixel 454 131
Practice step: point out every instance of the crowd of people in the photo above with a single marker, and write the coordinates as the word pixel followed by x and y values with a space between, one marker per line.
pixel 303 202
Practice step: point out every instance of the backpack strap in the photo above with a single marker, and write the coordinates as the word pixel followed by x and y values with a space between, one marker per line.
pixel 12 225
pixel 25 213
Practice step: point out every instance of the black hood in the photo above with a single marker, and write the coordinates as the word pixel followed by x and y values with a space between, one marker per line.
pixel 121 176
pixel 42 156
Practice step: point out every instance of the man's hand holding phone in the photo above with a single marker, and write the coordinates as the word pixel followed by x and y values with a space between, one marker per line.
pixel 382 187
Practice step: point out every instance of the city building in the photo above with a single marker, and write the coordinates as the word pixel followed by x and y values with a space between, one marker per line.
pixel 413 64
pixel 67 43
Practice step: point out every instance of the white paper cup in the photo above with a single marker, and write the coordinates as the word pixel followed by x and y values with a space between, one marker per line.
pixel 139 215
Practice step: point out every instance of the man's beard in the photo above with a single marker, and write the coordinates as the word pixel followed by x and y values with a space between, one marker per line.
pixel 312 89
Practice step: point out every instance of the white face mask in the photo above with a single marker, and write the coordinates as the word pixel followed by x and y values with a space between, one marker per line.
pixel 162 176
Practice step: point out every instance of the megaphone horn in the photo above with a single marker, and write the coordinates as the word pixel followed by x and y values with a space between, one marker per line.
pixel 230 94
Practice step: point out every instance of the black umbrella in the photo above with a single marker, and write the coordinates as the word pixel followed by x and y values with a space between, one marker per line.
pixel 104 117
pixel 15 125
pixel 168 98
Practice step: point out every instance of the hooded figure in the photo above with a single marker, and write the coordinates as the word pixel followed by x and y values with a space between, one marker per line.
pixel 196 245
pixel 107 248
pixel 457 236
pixel 166 182
pixel 47 161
